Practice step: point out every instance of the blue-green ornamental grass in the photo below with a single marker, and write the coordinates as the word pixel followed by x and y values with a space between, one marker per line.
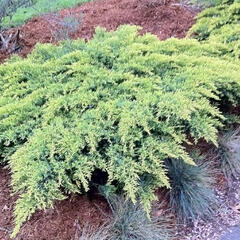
pixel 130 222
pixel 40 7
pixel 229 154
pixel 192 189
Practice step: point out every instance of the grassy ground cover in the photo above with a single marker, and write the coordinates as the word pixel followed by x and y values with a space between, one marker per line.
pixel 40 7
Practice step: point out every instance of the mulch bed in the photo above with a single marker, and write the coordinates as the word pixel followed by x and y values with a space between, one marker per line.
pixel 63 222
pixel 164 18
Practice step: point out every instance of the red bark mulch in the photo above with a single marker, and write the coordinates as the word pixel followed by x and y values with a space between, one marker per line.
pixel 169 19
pixel 60 223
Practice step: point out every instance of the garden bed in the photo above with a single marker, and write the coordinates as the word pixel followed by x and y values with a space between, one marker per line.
pixel 200 62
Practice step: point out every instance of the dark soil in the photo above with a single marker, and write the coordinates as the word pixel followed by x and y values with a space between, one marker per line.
pixel 164 18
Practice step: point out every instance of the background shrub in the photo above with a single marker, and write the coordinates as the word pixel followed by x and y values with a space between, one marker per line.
pixel 220 26
pixel 121 103
pixel 9 7
pixel 191 195
pixel 202 3
pixel 39 7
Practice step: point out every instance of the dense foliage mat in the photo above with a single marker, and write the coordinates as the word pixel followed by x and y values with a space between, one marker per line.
pixel 121 103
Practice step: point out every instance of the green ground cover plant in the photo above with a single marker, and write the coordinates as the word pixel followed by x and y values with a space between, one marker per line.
pixel 8 8
pixel 202 3
pixel 121 103
pixel 40 7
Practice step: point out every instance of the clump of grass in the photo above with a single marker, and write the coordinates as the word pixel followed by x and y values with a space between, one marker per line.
pixel 191 194
pixel 62 28
pixel 130 222
pixel 102 233
pixel 229 152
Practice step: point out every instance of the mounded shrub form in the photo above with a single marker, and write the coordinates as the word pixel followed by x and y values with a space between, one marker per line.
pixel 121 103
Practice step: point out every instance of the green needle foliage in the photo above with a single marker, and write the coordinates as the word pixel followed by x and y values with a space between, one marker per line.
pixel 191 193
pixel 201 4
pixel 220 25
pixel 9 7
pixel 23 13
pixel 121 103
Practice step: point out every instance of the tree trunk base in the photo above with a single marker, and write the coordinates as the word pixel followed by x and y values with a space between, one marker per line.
pixel 10 44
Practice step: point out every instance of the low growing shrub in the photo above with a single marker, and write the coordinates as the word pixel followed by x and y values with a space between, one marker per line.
pixel 201 4
pixel 191 194
pixel 40 7
pixel 121 103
